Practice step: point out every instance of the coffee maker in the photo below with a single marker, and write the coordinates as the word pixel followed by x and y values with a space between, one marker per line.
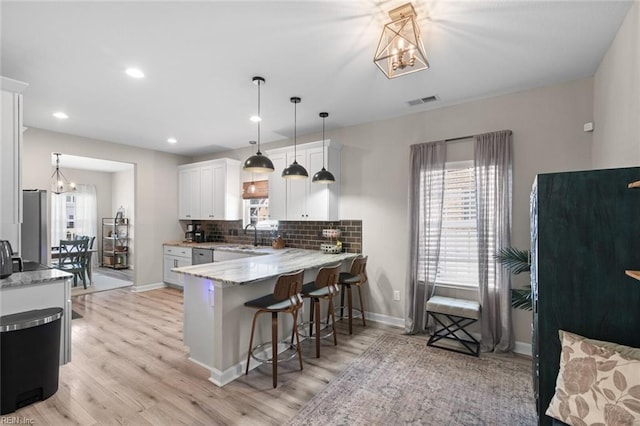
pixel 189 236
pixel 199 234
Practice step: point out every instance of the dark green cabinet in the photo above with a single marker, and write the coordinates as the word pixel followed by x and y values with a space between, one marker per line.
pixel 585 234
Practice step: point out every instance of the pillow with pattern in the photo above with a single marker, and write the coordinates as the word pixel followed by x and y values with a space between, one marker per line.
pixel 596 385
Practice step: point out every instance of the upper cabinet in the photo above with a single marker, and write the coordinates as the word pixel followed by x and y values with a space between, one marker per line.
pixel 301 199
pixel 189 192
pixel 11 161
pixel 209 190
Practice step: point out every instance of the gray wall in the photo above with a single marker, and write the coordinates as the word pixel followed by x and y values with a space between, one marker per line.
pixel 616 104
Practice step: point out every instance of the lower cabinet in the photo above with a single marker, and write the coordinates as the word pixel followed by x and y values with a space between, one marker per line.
pixel 175 257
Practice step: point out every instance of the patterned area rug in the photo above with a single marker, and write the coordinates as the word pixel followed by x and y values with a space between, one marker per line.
pixel 399 381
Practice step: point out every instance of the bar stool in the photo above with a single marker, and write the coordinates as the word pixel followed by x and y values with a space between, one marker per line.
pixel 356 277
pixel 323 287
pixel 286 298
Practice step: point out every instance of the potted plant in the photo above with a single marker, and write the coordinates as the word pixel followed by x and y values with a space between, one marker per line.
pixel 517 261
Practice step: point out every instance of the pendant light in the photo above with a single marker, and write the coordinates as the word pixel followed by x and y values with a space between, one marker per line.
pixel 323 176
pixel 295 170
pixel 59 183
pixel 258 163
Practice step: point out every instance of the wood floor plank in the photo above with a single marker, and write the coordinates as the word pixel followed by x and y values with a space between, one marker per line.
pixel 129 366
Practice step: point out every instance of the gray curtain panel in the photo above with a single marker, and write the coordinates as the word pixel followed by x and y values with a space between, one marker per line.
pixel 426 188
pixel 493 169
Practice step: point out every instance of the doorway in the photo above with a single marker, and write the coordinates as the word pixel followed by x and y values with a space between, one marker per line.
pixel 101 206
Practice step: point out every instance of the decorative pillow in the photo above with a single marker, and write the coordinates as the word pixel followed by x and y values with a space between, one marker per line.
pixel 596 385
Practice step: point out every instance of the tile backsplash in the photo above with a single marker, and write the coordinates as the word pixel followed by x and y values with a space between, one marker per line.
pixel 296 234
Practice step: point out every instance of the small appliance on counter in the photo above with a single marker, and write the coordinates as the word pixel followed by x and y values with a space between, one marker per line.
pixel 7 260
pixel 188 236
pixel 199 236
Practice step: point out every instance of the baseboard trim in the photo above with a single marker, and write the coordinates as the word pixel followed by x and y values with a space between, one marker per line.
pixel 384 319
pixel 147 287
pixel 520 348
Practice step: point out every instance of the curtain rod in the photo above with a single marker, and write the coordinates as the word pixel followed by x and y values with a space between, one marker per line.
pixel 459 138
pixel 469 137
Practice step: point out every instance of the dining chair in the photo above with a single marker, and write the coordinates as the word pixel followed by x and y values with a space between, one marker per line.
pixel 73 255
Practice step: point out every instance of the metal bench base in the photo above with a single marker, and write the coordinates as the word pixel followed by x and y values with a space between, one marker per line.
pixel 470 346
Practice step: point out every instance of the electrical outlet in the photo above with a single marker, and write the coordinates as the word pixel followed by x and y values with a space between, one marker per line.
pixel 396 296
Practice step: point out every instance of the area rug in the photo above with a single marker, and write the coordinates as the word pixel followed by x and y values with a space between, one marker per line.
pixel 100 283
pixel 401 381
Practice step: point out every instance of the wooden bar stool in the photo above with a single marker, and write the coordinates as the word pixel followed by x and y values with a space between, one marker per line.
pixel 324 287
pixel 357 276
pixel 286 298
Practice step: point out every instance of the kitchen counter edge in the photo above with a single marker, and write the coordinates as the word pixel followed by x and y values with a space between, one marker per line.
pixel 18 279
pixel 245 271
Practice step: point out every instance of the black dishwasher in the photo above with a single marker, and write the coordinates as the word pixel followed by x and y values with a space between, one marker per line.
pixel 201 255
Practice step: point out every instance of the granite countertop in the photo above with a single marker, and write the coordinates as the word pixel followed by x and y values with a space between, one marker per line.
pixel 236 248
pixel 43 276
pixel 260 268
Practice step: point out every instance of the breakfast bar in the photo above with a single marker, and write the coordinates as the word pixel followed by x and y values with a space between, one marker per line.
pixel 216 322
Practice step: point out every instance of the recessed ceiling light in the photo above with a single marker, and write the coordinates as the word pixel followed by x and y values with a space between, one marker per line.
pixel 61 115
pixel 134 72
pixel 255 119
pixel 172 140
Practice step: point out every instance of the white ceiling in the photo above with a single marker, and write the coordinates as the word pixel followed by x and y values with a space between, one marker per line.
pixel 199 58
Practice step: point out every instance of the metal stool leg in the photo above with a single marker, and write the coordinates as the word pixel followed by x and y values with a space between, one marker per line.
pixel 274 347
pixel 364 323
pixel 253 327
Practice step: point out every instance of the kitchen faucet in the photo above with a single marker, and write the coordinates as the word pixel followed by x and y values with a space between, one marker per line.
pixel 255 233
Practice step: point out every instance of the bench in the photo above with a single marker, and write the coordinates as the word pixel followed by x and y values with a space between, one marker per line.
pixel 452 316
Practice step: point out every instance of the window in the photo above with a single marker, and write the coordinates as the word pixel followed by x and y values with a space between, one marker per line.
pixel 70 212
pixel 458 261
pixel 458 255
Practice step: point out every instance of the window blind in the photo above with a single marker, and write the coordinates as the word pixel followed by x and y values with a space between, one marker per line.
pixel 458 261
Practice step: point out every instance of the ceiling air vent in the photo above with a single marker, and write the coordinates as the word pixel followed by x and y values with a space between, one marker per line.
pixel 421 101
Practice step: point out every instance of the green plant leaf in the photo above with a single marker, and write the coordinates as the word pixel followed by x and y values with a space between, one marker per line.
pixel 514 260
pixel 521 298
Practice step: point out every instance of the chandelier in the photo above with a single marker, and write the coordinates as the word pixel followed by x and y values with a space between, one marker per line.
pixel 59 183
pixel 400 50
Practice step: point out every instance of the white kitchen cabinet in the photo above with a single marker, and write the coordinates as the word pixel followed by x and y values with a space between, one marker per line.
pixel 175 257
pixel 209 190
pixel 220 190
pixel 302 199
pixel 278 188
pixel 188 193
pixel 11 161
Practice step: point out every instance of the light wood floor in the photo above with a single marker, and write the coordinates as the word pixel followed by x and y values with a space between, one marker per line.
pixel 129 366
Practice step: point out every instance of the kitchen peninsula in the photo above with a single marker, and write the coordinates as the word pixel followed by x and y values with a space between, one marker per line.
pixel 216 322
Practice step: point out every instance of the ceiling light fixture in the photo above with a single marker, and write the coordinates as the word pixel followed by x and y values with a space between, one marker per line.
pixel 172 140
pixel 400 50
pixel 61 115
pixel 258 163
pixel 295 170
pixel 323 176
pixel 59 183
pixel 134 72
